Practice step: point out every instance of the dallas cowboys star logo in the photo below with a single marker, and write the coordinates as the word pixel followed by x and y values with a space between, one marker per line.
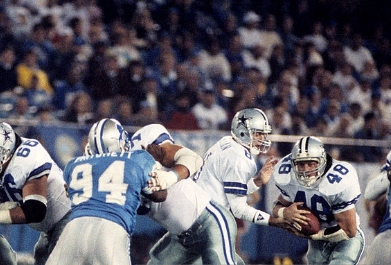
pixel 242 121
pixel 6 136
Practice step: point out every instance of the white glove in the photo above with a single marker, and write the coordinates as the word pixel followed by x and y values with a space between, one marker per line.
pixel 164 179
pixel 8 205
pixel 337 236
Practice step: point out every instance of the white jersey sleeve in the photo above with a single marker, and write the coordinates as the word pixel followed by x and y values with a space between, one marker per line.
pixel 32 161
pixel 150 134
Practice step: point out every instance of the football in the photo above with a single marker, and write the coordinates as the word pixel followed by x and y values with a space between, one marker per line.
pixel 313 226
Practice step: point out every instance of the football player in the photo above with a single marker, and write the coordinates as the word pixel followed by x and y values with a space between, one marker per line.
pixel 330 188
pixel 104 188
pixel 198 227
pixel 229 172
pixel 378 252
pixel 32 191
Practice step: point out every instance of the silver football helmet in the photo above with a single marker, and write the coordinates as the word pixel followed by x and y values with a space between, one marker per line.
pixel 247 126
pixel 309 149
pixel 106 136
pixel 7 143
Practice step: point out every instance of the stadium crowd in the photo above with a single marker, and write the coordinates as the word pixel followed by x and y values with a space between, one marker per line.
pixel 315 67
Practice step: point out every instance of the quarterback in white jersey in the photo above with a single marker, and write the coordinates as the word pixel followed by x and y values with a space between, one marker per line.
pixel 330 188
pixel 197 226
pixel 379 251
pixel 230 172
pixel 32 191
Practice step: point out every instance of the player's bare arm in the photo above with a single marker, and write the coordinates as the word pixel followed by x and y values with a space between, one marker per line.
pixel 36 192
pixel 347 221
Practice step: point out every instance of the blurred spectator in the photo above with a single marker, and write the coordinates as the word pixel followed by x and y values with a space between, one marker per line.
pixel 250 33
pixel 65 56
pixel 65 90
pixel 269 34
pixel 369 72
pixel 103 109
pixel 166 75
pixel 382 55
pixel 107 80
pixel 35 95
pixel 123 111
pixel 332 116
pixel 80 110
pixel 379 108
pixel 147 115
pixel 288 37
pixel 8 75
pixel 370 130
pixel 214 63
pixel 28 68
pixel 278 122
pixel 209 114
pixel 182 118
pixel 255 57
pixel 316 36
pixel 38 40
pixel 22 111
pixel 355 115
pixel 277 62
pixel 356 54
pixel 361 94
pixel 235 56
pixel 123 46
pixel 344 77
pixel 161 48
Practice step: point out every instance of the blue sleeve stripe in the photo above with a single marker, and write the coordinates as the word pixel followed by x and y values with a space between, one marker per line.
pixel 40 171
pixel 161 138
pixel 235 184
pixel 235 191
pixel 345 204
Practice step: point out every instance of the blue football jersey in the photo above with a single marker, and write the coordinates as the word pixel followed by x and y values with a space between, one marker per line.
pixel 108 185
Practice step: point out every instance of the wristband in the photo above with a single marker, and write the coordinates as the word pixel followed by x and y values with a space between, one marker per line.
pixel 5 217
pixel 280 212
pixel 261 218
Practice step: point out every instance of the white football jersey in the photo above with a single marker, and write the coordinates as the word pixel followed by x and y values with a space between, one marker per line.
pixel 228 166
pixel 185 200
pixel 337 191
pixel 32 161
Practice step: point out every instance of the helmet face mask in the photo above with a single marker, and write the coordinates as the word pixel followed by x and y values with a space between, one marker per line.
pixel 250 128
pixel 7 143
pixel 308 150
pixel 107 136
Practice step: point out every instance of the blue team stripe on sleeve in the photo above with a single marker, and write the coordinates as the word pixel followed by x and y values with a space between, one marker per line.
pixel 161 138
pixel 235 188
pixel 345 204
pixel 40 171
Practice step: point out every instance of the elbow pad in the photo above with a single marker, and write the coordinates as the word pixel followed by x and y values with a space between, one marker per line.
pixel 34 208
pixel 329 234
pixel 189 159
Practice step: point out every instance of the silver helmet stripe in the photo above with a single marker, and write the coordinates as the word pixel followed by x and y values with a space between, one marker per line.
pixel 99 144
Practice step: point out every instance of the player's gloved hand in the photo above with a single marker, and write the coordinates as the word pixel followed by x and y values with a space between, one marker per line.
pixel 331 234
pixel 157 152
pixel 8 205
pixel 164 179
